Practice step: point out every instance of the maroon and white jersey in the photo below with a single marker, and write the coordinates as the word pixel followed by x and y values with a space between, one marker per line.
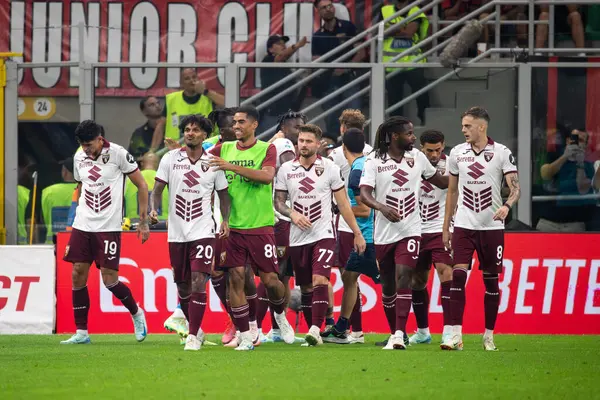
pixel 283 145
pixel 480 177
pixel 100 207
pixel 397 184
pixel 337 155
pixel 432 202
pixel 191 185
pixel 310 192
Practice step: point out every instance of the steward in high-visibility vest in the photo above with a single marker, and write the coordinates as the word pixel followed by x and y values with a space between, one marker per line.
pixel 56 201
pixel 392 46
pixel 22 202
pixel 188 101
pixel 149 165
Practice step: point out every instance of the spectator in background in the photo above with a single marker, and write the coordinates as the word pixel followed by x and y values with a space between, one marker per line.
pixel 570 174
pixel 148 168
pixel 328 143
pixel 399 39
pixel 508 13
pixel 195 98
pixel 56 201
pixel 277 51
pixel 141 139
pixel 567 17
pixel 333 33
pixel 456 9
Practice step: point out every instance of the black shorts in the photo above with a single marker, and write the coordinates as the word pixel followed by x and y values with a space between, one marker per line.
pixel 365 264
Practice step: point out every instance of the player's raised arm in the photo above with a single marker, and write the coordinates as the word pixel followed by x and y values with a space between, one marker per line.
pixel 346 211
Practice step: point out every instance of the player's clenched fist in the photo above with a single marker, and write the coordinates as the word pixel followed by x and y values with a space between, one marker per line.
pixel 143 231
pixel 224 231
pixel 391 214
pixel 360 245
pixel 300 221
pixel 153 217
pixel 446 239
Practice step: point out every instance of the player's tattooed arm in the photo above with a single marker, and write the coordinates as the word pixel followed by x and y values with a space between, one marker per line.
pixel 225 203
pixel 439 180
pixel 451 201
pixel 280 205
pixel 155 198
pixel 512 180
pixel 366 195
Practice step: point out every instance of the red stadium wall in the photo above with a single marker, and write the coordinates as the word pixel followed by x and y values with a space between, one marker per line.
pixel 550 285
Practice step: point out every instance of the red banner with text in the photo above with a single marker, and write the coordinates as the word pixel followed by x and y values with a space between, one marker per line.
pixel 154 31
pixel 550 285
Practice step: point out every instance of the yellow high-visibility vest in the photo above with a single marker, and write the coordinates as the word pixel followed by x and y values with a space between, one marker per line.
pixel 178 109
pixel 393 46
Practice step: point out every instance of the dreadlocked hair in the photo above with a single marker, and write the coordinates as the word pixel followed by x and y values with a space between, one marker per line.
pixel 383 137
pixel 290 115
pixel 216 116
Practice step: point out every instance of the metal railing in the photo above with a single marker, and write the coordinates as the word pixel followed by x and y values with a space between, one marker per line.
pixel 493 17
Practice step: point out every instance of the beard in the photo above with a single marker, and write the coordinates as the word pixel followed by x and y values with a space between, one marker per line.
pixel 191 145
pixel 307 153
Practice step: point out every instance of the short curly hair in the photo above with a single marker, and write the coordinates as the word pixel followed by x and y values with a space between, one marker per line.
pixel 352 118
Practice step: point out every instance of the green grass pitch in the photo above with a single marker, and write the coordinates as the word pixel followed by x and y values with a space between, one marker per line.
pixel 117 367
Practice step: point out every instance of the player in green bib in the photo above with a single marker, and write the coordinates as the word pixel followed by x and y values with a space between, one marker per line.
pixel 249 166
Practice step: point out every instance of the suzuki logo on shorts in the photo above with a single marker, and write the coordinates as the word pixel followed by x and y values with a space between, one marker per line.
pixel 476 170
pixel 427 187
pixel 191 178
pixel 400 177
pixel 94 173
pixel 306 185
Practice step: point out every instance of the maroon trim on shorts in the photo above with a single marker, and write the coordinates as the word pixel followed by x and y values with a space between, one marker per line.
pixel 160 180
pixel 265 230
pixel 337 190
pixel 510 172
pixel 129 173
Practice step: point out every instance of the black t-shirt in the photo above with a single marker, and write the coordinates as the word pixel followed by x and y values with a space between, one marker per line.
pixel 140 141
pixel 269 76
pixel 323 41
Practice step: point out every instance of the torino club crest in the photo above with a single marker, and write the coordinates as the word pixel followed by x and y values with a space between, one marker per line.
pixel 410 162
pixel 488 155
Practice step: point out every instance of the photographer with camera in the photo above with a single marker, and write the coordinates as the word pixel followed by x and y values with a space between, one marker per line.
pixel 570 174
